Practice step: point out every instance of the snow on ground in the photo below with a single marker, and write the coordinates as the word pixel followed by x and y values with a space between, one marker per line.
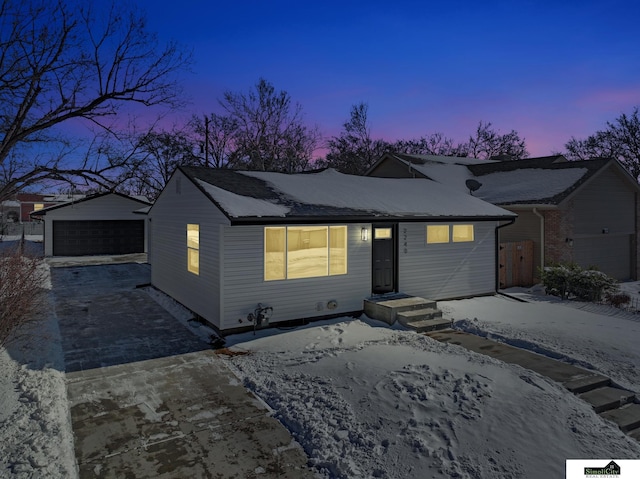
pixel 35 425
pixel 588 335
pixel 368 401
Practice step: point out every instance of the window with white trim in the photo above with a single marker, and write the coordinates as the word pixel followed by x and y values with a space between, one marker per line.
pixel 294 252
pixel 437 234
pixel 462 233
pixel 193 248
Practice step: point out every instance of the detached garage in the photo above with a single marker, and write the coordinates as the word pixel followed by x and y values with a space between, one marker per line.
pixel 101 224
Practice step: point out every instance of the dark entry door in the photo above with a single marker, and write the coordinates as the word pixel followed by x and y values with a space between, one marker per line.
pixel 384 259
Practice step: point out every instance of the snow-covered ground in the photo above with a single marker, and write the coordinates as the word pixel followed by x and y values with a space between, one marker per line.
pixel 36 439
pixel 367 400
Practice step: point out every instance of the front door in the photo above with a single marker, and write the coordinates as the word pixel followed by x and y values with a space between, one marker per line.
pixel 384 259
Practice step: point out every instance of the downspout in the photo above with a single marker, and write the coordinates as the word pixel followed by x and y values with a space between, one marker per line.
pixel 542 245
pixel 510 222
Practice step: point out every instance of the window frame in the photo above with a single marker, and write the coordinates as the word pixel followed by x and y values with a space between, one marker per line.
pixel 437 240
pixel 193 249
pixel 329 270
pixel 466 238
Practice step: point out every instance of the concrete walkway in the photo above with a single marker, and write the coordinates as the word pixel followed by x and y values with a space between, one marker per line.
pixel 610 401
pixel 148 399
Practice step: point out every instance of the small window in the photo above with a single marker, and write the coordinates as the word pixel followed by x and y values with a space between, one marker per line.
pixel 462 233
pixel 437 234
pixel 382 233
pixel 38 206
pixel 274 253
pixel 193 248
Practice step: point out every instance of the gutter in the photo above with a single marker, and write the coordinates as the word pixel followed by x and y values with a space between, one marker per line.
pixel 542 245
pixel 510 222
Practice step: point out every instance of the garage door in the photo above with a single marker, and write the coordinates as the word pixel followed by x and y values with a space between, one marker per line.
pixel 610 254
pixel 80 238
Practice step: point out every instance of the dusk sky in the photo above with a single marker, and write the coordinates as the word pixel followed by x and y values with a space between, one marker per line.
pixel 547 69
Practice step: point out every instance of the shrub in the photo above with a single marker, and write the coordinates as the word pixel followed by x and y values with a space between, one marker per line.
pixel 618 299
pixel 573 281
pixel 22 292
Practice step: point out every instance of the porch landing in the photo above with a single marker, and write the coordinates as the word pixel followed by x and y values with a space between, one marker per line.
pixel 412 312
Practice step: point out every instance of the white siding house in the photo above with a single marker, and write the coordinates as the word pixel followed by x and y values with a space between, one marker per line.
pixel 314 245
pixel 105 223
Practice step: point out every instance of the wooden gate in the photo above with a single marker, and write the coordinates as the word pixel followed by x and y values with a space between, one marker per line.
pixel 516 264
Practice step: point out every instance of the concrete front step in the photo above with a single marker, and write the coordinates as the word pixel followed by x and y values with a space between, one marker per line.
pixel 586 382
pixel 605 398
pixel 418 314
pixel 387 310
pixel 627 418
pixel 424 325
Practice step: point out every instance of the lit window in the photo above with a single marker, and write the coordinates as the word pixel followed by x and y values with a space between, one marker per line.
pixel 338 250
pixel 310 251
pixel 462 233
pixel 437 234
pixel 382 233
pixel 274 253
pixel 38 206
pixel 193 248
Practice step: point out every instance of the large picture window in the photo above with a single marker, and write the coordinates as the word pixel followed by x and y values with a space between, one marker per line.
pixel 193 248
pixel 295 252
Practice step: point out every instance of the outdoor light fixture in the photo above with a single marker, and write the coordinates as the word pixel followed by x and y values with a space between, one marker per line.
pixel 364 232
pixel 569 241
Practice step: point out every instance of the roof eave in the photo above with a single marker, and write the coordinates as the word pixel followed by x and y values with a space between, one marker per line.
pixel 265 220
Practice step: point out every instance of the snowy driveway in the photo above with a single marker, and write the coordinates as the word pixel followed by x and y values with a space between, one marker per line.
pixel 148 398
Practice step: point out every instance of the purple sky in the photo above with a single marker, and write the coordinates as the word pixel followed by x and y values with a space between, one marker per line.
pixel 548 69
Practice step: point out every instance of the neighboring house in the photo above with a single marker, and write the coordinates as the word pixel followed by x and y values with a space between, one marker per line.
pixel 30 202
pixel 225 243
pixel 584 212
pixel 105 223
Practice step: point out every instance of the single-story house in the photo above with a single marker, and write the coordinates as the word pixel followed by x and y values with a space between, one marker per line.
pixel 585 212
pixel 228 243
pixel 104 223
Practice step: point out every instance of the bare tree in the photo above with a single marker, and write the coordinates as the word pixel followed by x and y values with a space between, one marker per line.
pixel 151 160
pixel 216 135
pixel 21 294
pixel 61 61
pixel 433 144
pixel 354 151
pixel 488 142
pixel 620 140
pixel 266 131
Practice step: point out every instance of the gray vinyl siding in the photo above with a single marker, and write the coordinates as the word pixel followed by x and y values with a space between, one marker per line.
pixel 448 270
pixel 108 207
pixel 244 285
pixel 392 168
pixel 605 204
pixel 526 227
pixel 169 218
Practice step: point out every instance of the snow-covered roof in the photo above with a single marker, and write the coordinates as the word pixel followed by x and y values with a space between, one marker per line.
pixel 328 193
pixel 527 185
pixel 543 180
